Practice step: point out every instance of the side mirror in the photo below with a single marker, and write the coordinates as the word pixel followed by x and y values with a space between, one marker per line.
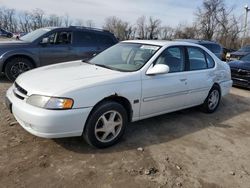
pixel 158 69
pixel 45 40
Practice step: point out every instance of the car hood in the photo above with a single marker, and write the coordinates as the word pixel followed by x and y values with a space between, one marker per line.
pixel 11 43
pixel 240 64
pixel 239 53
pixel 57 79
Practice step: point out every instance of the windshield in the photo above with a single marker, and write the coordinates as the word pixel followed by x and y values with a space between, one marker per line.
pixel 246 58
pixel 32 36
pixel 245 49
pixel 125 56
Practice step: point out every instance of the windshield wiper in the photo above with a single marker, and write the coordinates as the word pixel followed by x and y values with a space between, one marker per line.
pixel 107 67
pixel 87 62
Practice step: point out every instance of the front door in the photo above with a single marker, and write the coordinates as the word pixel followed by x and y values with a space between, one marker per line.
pixel 166 92
pixel 58 49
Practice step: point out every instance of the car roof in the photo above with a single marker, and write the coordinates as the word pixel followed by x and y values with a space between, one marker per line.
pixel 161 42
pixel 197 41
pixel 81 28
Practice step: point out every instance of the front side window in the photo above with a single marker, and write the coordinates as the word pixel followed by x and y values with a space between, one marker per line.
pixel 125 56
pixel 57 38
pixel 197 59
pixel 173 57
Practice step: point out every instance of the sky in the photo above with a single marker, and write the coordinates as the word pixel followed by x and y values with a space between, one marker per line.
pixel 170 12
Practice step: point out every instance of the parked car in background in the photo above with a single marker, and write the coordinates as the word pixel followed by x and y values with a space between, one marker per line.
pixel 212 46
pixel 240 70
pixel 4 33
pixel 130 81
pixel 240 53
pixel 47 46
pixel 226 53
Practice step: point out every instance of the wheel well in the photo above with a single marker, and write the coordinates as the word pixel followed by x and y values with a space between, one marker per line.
pixel 119 99
pixel 217 85
pixel 15 56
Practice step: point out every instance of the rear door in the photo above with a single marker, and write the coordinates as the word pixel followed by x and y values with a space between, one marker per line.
pixel 105 41
pixel 85 45
pixel 200 75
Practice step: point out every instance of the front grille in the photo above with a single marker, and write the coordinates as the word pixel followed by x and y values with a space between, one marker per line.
pixel 19 96
pixel 240 72
pixel 20 89
pixel 19 92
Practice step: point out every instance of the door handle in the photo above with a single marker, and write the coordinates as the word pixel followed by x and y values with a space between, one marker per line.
pixel 183 79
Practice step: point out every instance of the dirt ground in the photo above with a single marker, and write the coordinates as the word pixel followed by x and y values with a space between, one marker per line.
pixel 182 149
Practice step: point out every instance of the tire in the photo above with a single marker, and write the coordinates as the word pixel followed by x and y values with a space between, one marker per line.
pixel 212 101
pixel 95 132
pixel 16 66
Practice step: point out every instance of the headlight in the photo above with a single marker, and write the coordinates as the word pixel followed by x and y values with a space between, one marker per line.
pixel 55 103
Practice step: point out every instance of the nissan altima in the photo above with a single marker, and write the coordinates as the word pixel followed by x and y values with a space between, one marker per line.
pixel 130 81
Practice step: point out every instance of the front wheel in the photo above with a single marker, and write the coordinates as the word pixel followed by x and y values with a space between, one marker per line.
pixel 212 101
pixel 106 125
pixel 16 66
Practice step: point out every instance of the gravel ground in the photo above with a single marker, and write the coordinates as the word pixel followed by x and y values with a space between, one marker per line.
pixel 183 149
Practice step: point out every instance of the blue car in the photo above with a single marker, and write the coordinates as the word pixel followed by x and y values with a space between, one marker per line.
pixel 240 71
pixel 4 33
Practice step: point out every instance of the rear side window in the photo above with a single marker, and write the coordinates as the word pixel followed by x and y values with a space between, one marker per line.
pixel 197 59
pixel 84 38
pixel 210 61
pixel 105 39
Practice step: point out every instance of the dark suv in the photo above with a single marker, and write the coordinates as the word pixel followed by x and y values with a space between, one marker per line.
pixel 212 46
pixel 47 46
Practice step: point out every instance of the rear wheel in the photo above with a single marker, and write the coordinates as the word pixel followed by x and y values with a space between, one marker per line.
pixel 212 101
pixel 106 125
pixel 17 66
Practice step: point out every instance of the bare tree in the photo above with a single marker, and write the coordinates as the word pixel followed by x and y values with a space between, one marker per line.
pixel 122 30
pixel 53 21
pixel 141 27
pixel 206 17
pixel 25 21
pixel 153 28
pixel 79 22
pixel 166 33
pixel 38 18
pixel 186 32
pixel 67 21
pixel 90 23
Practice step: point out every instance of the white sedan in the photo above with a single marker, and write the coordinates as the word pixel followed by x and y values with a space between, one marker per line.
pixel 130 81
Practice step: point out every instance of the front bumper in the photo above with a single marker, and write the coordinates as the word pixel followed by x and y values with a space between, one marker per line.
pixel 242 82
pixel 47 123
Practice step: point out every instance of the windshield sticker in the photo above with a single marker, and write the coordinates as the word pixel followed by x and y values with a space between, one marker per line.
pixel 148 47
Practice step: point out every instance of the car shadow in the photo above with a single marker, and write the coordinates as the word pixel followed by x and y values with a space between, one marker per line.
pixel 165 128
pixel 4 79
pixel 240 87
